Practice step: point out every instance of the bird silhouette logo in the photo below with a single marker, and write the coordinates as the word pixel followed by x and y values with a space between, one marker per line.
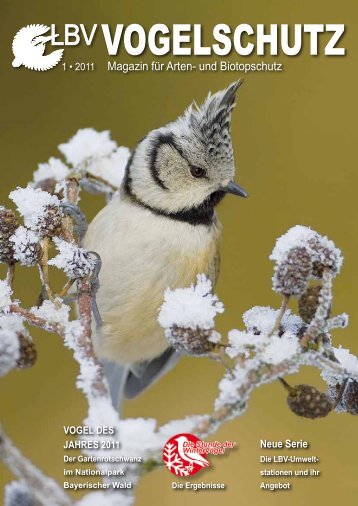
pixel 181 456
pixel 29 46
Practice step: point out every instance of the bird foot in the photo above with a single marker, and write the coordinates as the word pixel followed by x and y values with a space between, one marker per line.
pixel 80 224
pixel 94 288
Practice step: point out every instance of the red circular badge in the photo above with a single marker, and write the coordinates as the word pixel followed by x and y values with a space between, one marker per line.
pixel 182 455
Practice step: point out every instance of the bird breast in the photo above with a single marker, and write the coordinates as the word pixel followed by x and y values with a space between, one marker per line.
pixel 142 255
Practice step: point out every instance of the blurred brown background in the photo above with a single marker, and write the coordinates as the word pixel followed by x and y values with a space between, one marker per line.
pixel 295 141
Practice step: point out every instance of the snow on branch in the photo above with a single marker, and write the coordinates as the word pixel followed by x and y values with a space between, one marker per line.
pixel 272 343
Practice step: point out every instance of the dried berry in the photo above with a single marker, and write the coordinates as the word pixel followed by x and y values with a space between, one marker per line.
pixel 50 221
pixel 293 273
pixel 47 185
pixel 307 401
pixel 26 246
pixel 326 256
pixel 308 303
pixel 28 353
pixel 8 225
pixel 76 262
pixel 190 341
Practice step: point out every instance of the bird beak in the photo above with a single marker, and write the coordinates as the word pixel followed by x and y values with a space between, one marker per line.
pixel 235 189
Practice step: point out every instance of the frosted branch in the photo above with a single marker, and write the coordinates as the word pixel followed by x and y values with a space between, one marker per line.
pixel 274 343
pixel 44 489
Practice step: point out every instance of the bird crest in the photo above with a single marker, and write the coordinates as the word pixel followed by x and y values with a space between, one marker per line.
pixel 211 122
pixel 29 46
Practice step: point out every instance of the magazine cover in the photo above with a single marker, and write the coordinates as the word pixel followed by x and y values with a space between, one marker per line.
pixel 178 253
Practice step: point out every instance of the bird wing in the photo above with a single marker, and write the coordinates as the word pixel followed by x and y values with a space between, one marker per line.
pixel 130 381
pixel 141 376
pixel 214 266
pixel 199 459
pixel 115 375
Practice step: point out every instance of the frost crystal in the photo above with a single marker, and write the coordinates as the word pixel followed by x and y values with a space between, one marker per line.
pixel 322 250
pixel 263 318
pixel 53 312
pixel 296 237
pixel 27 248
pixel 53 169
pixel 187 425
pixel 190 307
pixel 18 493
pixel 74 261
pixel 58 313
pixel 40 210
pixel 88 373
pixel 240 342
pixel 12 323
pixel 9 351
pixel 5 296
pixel 260 321
pixel 231 383
pixel 87 143
pixel 280 349
pixel 101 412
pixel 346 359
pixel 111 168
pixel 139 437
pixel 325 255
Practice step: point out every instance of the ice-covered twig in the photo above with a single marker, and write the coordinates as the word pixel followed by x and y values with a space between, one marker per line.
pixel 283 309
pixel 46 490
pixel 257 377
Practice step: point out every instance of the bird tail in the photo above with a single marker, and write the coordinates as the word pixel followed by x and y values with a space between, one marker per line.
pixel 115 375
pixel 126 382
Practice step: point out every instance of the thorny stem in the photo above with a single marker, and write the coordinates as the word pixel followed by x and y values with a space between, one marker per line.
pixel 42 487
pixel 281 314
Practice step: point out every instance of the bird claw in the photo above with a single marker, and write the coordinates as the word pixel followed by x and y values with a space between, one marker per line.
pixel 94 288
pixel 80 224
pixel 96 314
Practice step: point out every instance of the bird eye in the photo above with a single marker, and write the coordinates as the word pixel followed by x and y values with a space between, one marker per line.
pixel 197 172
